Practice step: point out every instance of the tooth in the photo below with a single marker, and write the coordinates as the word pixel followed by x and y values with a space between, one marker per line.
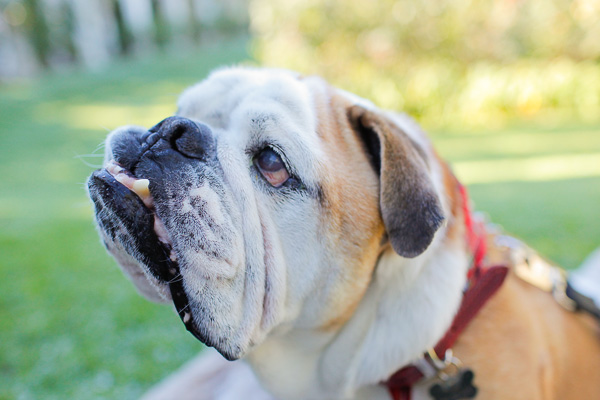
pixel 140 187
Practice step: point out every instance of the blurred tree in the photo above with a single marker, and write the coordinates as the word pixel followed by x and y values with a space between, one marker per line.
pixel 161 32
pixel 37 29
pixel 125 36
pixel 444 60
pixel 92 32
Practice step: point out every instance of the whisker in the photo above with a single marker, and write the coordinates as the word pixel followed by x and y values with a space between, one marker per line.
pixel 89 155
pixel 93 154
pixel 186 307
pixel 100 146
pixel 176 279
pixel 95 166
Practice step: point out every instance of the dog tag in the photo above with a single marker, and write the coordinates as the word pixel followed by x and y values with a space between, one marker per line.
pixel 456 387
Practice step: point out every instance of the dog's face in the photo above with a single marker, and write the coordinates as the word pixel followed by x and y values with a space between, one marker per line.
pixel 271 197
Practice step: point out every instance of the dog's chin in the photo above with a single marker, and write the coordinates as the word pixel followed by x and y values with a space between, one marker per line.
pixel 215 331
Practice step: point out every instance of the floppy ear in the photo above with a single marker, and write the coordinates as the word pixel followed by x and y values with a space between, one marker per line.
pixel 410 207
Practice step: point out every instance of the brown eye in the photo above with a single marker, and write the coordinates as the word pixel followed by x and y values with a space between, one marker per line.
pixel 271 166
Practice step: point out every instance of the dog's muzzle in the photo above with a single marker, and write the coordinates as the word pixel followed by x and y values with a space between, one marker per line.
pixel 130 220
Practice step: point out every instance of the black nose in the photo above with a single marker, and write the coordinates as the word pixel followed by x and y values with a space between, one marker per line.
pixel 194 140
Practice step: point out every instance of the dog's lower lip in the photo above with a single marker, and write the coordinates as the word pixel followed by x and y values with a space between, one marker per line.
pixel 133 216
pixel 166 268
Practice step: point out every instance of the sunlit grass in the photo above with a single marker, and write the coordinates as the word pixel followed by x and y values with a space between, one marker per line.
pixel 557 218
pixel 530 169
pixel 521 155
pixel 92 116
pixel 518 142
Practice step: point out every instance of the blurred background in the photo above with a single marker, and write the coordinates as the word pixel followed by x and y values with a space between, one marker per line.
pixel 509 89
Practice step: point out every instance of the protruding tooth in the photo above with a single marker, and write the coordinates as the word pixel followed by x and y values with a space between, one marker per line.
pixel 124 180
pixel 140 187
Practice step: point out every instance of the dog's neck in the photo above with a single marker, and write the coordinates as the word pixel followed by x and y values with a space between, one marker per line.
pixel 386 332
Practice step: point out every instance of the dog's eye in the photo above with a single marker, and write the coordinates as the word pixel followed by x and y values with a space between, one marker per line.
pixel 272 167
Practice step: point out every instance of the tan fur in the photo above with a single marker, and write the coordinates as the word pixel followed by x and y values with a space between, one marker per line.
pixel 365 229
pixel 523 345
pixel 455 230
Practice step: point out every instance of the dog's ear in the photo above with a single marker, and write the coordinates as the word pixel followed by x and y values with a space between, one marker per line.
pixel 410 207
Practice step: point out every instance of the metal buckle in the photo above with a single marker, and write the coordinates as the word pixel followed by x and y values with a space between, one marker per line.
pixel 446 368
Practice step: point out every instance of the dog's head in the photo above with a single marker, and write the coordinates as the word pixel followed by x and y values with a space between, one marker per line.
pixel 270 199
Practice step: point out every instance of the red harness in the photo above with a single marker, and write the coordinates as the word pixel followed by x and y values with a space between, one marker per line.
pixel 482 284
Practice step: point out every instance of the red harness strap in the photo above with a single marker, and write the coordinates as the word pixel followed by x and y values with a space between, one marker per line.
pixel 482 284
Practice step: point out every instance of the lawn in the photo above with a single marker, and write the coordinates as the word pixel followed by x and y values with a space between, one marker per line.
pixel 72 327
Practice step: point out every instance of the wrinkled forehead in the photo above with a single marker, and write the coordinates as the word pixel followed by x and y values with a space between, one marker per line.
pixel 254 107
pixel 230 96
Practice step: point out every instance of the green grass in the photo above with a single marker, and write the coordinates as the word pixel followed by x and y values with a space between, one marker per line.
pixel 71 326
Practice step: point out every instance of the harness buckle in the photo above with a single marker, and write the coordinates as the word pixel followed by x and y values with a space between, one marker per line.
pixel 536 271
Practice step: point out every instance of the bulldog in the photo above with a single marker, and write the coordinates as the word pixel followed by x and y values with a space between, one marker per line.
pixel 322 241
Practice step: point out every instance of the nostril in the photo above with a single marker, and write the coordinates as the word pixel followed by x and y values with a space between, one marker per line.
pixel 191 139
pixel 195 143
pixel 177 132
pixel 171 128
